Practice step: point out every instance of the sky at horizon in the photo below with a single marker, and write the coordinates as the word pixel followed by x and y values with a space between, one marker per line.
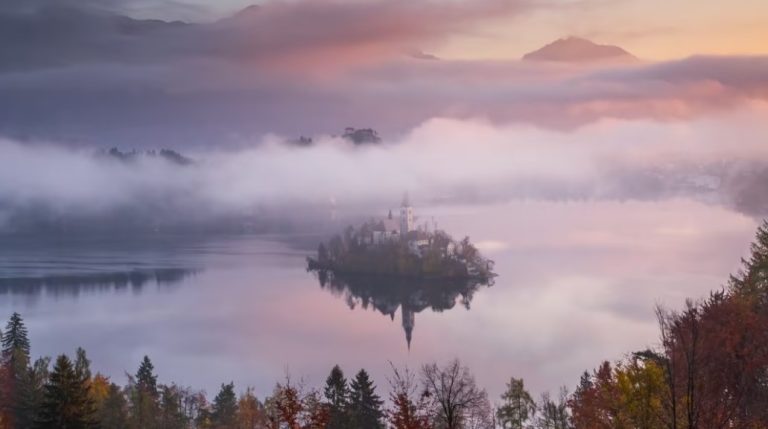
pixel 653 30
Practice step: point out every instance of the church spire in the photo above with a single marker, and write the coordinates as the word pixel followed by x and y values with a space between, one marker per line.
pixel 409 320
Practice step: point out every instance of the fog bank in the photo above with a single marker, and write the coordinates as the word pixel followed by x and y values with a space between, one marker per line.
pixel 720 159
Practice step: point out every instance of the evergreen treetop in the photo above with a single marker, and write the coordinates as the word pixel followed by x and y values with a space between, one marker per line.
pixel 146 380
pixel 364 403
pixel 66 403
pixel 225 406
pixel 16 340
pixel 336 389
pixel 337 394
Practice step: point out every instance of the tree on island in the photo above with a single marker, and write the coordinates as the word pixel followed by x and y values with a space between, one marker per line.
pixel 361 136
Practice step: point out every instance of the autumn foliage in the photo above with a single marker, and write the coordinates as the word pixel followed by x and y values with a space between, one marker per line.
pixel 709 372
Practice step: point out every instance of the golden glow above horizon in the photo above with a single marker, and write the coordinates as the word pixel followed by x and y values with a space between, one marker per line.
pixel 649 29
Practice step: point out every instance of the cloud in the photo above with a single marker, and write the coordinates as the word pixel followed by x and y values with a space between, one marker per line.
pixel 204 102
pixel 282 34
pixel 719 160
pixel 81 72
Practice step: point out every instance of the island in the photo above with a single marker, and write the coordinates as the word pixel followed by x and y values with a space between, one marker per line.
pixel 399 248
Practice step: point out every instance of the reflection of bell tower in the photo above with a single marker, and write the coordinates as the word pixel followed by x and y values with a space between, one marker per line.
pixel 409 319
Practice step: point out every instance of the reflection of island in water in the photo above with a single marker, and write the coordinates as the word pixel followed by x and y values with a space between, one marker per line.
pixel 385 294
pixel 75 283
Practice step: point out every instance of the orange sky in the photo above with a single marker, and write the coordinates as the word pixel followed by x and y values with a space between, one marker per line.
pixel 650 29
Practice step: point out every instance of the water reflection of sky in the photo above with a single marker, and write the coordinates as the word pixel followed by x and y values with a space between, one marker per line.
pixel 577 283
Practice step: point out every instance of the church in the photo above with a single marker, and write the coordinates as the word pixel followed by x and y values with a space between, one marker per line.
pixel 389 229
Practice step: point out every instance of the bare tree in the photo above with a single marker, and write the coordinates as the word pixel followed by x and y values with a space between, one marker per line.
pixel 409 409
pixel 481 417
pixel 553 414
pixel 453 393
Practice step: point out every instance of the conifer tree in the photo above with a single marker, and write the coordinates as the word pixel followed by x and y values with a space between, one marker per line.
pixel 364 404
pixel 15 339
pixel 171 412
pixel 112 411
pixel 144 397
pixel 66 404
pixel 82 365
pixel 752 280
pixel 15 363
pixel 32 392
pixel 5 419
pixel 337 394
pixel 224 414
pixel 146 378
pixel 518 406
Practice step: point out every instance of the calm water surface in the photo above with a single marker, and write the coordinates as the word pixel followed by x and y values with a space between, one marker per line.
pixel 577 284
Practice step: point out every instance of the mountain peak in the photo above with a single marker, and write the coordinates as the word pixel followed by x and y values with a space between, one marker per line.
pixel 579 50
pixel 244 16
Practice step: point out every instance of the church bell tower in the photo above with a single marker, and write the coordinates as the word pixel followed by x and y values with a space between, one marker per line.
pixel 406 216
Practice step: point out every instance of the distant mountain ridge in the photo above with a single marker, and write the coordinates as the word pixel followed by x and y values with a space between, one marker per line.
pixel 579 50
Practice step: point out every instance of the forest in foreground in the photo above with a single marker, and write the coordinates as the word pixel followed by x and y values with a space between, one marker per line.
pixel 709 370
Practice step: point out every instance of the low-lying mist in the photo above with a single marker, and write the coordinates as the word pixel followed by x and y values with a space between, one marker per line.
pixel 274 185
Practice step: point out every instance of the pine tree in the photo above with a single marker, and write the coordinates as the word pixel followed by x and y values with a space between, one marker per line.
pixel 364 404
pixel 15 339
pixel 337 394
pixel 145 378
pixel 171 408
pixel 225 407
pixel 112 409
pixel 144 397
pixel 32 392
pixel 518 406
pixel 752 280
pixel 66 404
pixel 15 363
pixel 5 418
pixel 82 365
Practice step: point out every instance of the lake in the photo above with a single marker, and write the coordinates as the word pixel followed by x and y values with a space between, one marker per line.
pixel 577 284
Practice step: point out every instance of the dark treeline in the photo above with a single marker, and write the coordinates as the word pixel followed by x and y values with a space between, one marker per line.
pixel 132 156
pixel 709 371
pixel 74 284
